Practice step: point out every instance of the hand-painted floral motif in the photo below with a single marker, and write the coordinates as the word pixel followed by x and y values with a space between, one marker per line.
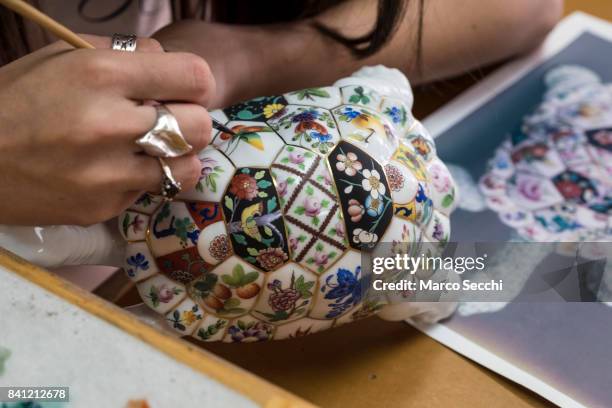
pixel 311 210
pixel 290 301
pixel 348 164
pixel 359 95
pixel 211 330
pixel 395 177
pixel 406 157
pixel 254 219
pixel 162 294
pixel 243 134
pixel 134 225
pixel 368 206
pixel 209 174
pixel 255 109
pixel 136 262
pixel 249 331
pixel 146 203
pixel 344 289
pixel 167 224
pixel 182 319
pixel 182 266
pixel 365 120
pixel 230 294
pixel 220 247
pixel 309 94
pixel 397 114
pixel 307 127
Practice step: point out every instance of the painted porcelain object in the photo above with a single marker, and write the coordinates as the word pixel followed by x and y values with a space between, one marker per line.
pixel 269 244
pixel 552 181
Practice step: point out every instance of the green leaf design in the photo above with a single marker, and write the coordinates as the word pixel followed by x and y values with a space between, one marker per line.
pixel 267 231
pixel 354 99
pixel 259 174
pixel 264 183
pixel 246 114
pixel 229 203
pixel 448 199
pixel 240 239
pixel 253 139
pixel 252 251
pixel 231 303
pixel 249 278
pixel 272 204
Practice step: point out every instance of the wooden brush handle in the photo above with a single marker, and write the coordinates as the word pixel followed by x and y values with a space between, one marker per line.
pixel 31 13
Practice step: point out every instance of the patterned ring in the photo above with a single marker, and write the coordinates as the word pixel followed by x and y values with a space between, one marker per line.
pixel 169 186
pixel 165 139
pixel 123 42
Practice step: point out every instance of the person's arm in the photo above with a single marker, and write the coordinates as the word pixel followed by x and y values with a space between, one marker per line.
pixel 457 36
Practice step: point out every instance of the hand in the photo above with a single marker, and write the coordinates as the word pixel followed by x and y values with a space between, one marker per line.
pixel 68 122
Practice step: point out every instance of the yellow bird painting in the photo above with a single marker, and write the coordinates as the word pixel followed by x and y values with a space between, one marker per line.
pixel 248 220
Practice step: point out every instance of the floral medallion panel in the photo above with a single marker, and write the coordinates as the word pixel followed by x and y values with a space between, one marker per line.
pixel 258 109
pixel 183 266
pixel 341 288
pixel 398 114
pixel 307 126
pixel 438 229
pixel 147 203
pixel 301 328
pixel 420 209
pixel 325 97
pixel 253 144
pixel 254 219
pixel 133 225
pixel 211 328
pixel 214 243
pixel 368 130
pixel 360 95
pixel 185 317
pixel 420 141
pixel 172 229
pixel 287 295
pixel 231 289
pixel 139 263
pixel 310 207
pixel 160 293
pixel 442 186
pixel 215 175
pixel 247 329
pixel 403 184
pixel 407 157
pixel 364 195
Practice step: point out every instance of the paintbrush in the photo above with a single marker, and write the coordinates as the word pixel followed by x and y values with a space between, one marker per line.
pixel 60 31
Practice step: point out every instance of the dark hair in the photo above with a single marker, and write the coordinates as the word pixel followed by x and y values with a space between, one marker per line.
pixel 13 40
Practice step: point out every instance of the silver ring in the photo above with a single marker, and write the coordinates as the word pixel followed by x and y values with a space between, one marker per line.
pixel 123 42
pixel 169 186
pixel 166 138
